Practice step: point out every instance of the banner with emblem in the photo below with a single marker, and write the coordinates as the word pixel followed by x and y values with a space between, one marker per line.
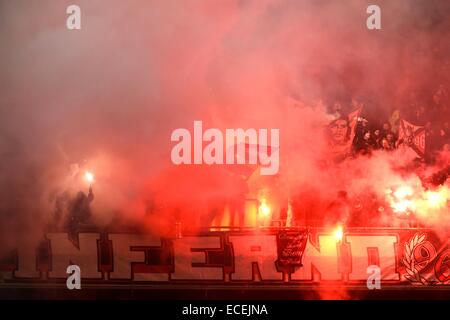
pixel 412 136
pixel 277 258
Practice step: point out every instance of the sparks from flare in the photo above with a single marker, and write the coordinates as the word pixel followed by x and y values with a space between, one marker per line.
pixel 406 200
pixel 437 199
pixel 400 199
pixel 403 192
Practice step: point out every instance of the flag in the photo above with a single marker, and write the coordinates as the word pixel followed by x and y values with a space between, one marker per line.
pixel 341 133
pixel 412 136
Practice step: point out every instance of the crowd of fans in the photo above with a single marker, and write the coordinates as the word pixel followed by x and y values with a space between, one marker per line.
pixel 432 113
pixel 369 135
pixel 372 138
pixel 429 114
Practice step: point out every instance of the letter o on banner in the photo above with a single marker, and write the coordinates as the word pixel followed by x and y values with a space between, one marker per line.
pixel 423 254
pixel 442 266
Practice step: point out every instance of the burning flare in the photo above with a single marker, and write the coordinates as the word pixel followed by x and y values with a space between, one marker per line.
pixel 89 177
pixel 264 209
pixel 406 200
pixel 339 233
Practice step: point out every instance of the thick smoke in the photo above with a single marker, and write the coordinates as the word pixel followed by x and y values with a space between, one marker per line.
pixel 108 96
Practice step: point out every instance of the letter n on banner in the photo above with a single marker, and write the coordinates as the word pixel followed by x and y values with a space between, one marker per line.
pixel 321 261
pixel 84 254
